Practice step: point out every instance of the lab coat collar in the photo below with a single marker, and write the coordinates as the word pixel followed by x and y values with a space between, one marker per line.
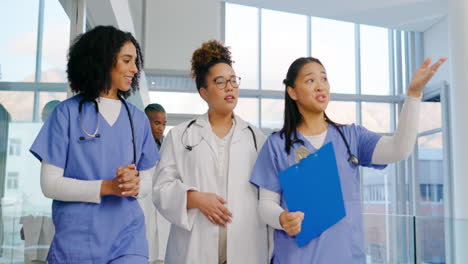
pixel 208 135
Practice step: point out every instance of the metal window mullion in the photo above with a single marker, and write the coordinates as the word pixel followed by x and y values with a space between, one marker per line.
pixel 77 24
pixel 309 36
pixel 259 23
pixel 406 62
pixel 398 65
pixel 357 51
pixel 447 169
pixel 391 61
pixel 37 76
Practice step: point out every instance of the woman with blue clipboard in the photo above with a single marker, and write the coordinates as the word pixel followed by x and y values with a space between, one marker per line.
pixel 345 147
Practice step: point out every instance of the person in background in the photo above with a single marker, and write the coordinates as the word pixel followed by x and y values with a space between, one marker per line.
pixel 157 227
pixel 48 108
pixel 158 120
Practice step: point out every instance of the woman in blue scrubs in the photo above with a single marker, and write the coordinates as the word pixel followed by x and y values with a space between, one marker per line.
pixel 307 126
pixel 97 151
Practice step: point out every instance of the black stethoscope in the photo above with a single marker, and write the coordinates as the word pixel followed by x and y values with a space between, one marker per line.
pixel 190 147
pixel 353 159
pixel 96 132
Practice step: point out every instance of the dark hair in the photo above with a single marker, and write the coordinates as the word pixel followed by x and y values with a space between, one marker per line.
pixel 210 53
pixel 154 108
pixel 91 58
pixel 292 116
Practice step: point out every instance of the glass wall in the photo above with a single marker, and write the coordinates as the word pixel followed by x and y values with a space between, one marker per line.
pixel 32 74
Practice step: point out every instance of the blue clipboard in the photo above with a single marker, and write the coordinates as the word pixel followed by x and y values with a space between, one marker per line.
pixel 313 187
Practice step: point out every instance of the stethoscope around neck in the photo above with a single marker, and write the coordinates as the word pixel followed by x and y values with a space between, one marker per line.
pixel 190 147
pixel 353 159
pixel 96 133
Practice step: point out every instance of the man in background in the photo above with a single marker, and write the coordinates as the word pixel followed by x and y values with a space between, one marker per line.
pixel 157 117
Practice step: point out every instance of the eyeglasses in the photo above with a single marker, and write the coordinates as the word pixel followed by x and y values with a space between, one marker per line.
pixel 221 82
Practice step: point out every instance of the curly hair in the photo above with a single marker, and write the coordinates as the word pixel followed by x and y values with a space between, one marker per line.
pixel 93 55
pixel 210 53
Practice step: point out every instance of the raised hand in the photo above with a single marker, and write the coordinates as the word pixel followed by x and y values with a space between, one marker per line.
pixel 422 75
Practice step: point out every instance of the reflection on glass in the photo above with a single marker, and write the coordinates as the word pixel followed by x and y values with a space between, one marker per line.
pixel 430 117
pixel 389 239
pixel 180 103
pixel 342 112
pixel 284 39
pixel 18 104
pixel 375 71
pixel 376 117
pixel 241 25
pixel 55 43
pixel 431 239
pixel 48 98
pixel 378 207
pixel 333 44
pixel 433 141
pixel 18 45
pixel 272 113
pixel 23 204
pixel 376 193
pixel 431 198
pixel 247 109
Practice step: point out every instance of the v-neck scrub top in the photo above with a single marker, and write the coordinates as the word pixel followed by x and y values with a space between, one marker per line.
pixel 343 242
pixel 89 232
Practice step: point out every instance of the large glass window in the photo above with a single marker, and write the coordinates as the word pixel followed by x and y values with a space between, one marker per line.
pixel 18 45
pixel 247 109
pixel 25 92
pixel 342 112
pixel 179 103
pixel 375 69
pixel 18 111
pixel 284 39
pixel 55 43
pixel 272 113
pixel 431 220
pixel 333 43
pixel 376 117
pixel 243 40
pixel 430 117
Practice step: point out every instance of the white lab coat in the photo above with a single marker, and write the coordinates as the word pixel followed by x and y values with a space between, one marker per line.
pixel 193 238
pixel 149 211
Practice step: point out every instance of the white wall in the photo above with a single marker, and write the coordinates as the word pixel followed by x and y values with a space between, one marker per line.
pixel 436 45
pixel 175 28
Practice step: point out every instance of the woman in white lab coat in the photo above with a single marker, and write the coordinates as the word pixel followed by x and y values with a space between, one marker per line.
pixel 202 180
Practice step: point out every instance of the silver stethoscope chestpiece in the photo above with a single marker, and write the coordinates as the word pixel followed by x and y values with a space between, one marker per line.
pixel 354 160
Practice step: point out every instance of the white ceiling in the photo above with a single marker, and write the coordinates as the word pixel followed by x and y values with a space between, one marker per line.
pixel 409 15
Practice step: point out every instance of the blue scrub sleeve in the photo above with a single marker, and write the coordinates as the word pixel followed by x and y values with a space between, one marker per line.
pixel 51 144
pixel 367 140
pixel 265 171
pixel 149 150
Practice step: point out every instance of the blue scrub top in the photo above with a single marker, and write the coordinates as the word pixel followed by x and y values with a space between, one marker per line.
pixel 88 232
pixel 343 242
